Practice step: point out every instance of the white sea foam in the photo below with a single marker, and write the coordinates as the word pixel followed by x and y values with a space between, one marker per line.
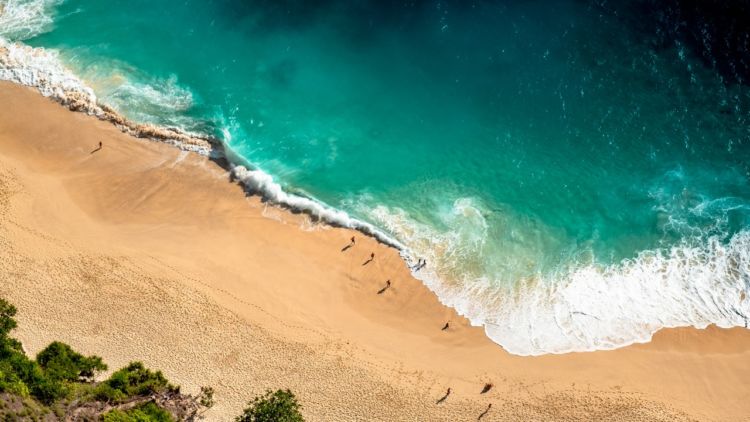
pixel 23 19
pixel 42 69
pixel 36 67
pixel 588 307
pixel 143 97
pixel 593 308
pixel 260 182
pixel 151 98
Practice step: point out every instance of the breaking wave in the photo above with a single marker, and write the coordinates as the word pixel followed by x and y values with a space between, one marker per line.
pixel 585 306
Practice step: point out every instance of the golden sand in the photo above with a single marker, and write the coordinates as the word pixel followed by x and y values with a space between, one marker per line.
pixel 142 252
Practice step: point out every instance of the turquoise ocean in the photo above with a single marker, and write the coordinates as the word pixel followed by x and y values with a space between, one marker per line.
pixel 573 184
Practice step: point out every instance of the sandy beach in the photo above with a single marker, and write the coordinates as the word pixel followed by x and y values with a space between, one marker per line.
pixel 140 251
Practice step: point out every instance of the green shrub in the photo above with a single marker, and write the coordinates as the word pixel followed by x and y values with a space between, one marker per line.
pixel 10 381
pixel 278 406
pixel 60 362
pixel 25 368
pixel 8 345
pixel 148 412
pixel 132 380
pixel 7 323
pixel 15 365
pixel 46 380
pixel 60 372
pixel 48 391
pixel 206 397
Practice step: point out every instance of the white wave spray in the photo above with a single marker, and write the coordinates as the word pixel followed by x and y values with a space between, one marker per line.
pixel 44 70
pixel 21 20
pixel 586 307
pixel 258 181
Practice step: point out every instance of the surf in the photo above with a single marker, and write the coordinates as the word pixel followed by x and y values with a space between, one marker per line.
pixel 556 206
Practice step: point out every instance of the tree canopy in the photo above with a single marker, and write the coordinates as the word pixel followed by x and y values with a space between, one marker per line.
pixel 276 406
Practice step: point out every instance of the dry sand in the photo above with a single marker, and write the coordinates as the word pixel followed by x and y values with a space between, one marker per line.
pixel 143 252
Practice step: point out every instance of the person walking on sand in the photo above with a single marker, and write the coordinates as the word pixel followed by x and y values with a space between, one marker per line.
pixel 352 240
pixel 445 327
pixel 487 387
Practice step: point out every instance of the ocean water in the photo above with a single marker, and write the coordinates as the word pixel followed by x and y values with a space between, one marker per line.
pixel 575 181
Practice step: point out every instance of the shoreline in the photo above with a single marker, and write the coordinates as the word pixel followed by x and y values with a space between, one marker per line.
pixel 131 225
pixel 40 69
pixel 17 59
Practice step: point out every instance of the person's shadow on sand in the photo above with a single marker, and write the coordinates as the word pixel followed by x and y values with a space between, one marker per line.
pixel 372 257
pixel 387 286
pixel 442 399
pixel 485 412
pixel 351 243
pixel 97 149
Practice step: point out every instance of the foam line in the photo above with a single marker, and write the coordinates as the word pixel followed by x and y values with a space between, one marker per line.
pixel 586 307
pixel 259 182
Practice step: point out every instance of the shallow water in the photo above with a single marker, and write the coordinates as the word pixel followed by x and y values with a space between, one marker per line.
pixel 573 185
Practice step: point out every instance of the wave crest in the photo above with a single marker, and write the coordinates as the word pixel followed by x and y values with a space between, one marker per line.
pixel 590 306
pixel 586 307
pixel 21 20
pixel 42 69
pixel 261 183
pixel 594 308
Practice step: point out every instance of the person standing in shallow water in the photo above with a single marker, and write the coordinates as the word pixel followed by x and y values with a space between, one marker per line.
pixel 421 263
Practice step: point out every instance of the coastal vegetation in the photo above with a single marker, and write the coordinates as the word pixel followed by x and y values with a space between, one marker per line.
pixel 274 406
pixel 60 384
